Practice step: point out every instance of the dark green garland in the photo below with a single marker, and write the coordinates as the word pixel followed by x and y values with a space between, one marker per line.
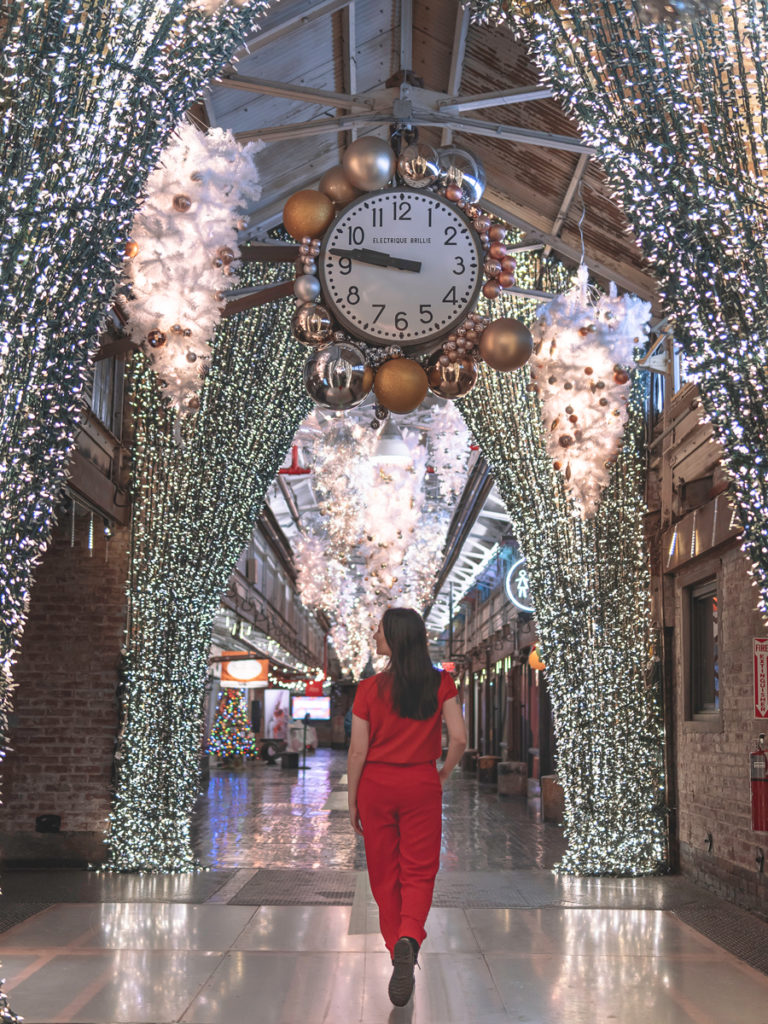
pixel 590 586
pixel 195 508
pixel 679 121
pixel 91 92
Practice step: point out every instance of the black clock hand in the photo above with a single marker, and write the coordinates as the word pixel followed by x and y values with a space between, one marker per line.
pixel 378 259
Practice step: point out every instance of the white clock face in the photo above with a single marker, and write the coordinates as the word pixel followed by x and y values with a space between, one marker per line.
pixel 400 267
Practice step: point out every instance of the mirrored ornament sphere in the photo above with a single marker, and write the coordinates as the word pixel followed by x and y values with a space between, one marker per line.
pixel 306 287
pixel 312 324
pixel 418 166
pixel 336 185
pixel 337 377
pixel 156 339
pixel 369 163
pixel 506 344
pixel 182 203
pixel 460 169
pixel 452 380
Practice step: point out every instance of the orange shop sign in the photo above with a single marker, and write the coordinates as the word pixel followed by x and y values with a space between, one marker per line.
pixel 237 670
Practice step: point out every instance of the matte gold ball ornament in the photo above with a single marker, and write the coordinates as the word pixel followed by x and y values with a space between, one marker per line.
pixel 336 185
pixel 307 212
pixel 400 385
pixel 369 163
pixel 506 344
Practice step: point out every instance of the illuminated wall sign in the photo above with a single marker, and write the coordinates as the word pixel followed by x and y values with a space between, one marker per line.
pixel 518 587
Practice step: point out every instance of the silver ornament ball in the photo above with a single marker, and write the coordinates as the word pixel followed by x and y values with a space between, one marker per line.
pixel 306 287
pixel 459 168
pixel 369 163
pixel 418 166
pixel 312 324
pixel 337 377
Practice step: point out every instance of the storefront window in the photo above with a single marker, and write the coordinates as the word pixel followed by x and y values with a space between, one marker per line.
pixel 704 648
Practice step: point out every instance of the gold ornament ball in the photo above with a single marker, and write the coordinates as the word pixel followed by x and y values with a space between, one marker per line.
pixel 336 185
pixel 307 213
pixel 400 385
pixel 131 249
pixel 506 344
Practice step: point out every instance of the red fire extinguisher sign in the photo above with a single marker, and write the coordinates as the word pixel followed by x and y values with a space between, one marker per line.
pixel 760 653
pixel 758 780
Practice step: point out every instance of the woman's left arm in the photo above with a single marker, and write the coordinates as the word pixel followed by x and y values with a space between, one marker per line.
pixel 358 751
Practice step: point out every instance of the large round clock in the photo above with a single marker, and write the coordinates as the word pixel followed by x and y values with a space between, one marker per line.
pixel 401 267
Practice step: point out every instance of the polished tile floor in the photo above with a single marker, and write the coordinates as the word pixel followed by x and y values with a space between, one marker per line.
pixel 282 929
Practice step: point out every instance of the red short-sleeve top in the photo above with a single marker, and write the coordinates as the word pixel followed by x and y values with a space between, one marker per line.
pixel 397 740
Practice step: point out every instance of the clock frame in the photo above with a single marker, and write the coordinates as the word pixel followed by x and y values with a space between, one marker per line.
pixel 396 304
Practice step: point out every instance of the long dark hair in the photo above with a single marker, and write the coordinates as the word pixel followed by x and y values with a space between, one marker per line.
pixel 415 681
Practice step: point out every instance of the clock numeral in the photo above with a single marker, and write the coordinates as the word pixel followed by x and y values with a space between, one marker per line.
pixel 381 306
pixel 378 217
pixel 353 296
pixel 401 322
pixel 355 235
pixel 429 217
pixel 450 295
pixel 450 235
pixel 426 313
pixel 345 265
pixel 460 266
pixel 402 209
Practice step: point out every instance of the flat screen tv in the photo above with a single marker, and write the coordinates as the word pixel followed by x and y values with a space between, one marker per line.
pixel 318 708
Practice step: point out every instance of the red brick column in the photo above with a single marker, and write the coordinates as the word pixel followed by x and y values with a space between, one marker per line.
pixel 65 715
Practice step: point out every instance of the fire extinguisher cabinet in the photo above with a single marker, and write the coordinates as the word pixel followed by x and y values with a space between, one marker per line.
pixel 758 780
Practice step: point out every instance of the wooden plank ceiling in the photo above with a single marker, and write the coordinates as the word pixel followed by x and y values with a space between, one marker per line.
pixel 358 51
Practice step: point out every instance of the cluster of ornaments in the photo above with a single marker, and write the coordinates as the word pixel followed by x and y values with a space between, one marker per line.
pixel 342 370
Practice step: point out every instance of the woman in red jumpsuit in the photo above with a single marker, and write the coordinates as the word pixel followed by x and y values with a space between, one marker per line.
pixel 395 789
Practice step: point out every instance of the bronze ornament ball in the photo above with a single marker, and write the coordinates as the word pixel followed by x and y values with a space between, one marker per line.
pixel 369 163
pixel 312 324
pixel 307 213
pixel 453 380
pixel 182 203
pixel 336 185
pixel 400 385
pixel 337 377
pixel 506 344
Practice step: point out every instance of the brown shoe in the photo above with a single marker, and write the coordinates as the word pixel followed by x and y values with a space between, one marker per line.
pixel 401 982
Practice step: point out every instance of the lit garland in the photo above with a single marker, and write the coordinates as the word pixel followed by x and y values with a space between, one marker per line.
pixel 195 506
pixel 231 735
pixel 590 586
pixel 678 120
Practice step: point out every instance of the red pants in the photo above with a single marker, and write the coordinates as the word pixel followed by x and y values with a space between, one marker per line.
pixel 400 809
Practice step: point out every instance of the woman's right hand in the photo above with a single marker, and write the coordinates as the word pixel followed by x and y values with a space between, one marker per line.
pixel 354 817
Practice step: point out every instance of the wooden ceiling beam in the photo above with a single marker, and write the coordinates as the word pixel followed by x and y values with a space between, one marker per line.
pixel 284 17
pixel 286 90
pixel 504 98
pixel 249 298
pixel 458 51
pixel 565 206
pixel 349 58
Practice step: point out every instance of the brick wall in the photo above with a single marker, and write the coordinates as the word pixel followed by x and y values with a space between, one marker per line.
pixel 712 756
pixel 64 720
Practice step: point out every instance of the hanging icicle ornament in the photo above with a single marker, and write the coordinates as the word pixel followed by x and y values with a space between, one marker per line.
pixel 583 352
pixel 182 254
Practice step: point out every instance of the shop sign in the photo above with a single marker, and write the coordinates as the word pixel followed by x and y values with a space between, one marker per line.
pixel 243 671
pixel 518 587
pixel 314 688
pixel 760 651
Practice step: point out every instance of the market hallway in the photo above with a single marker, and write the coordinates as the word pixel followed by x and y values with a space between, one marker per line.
pixel 282 929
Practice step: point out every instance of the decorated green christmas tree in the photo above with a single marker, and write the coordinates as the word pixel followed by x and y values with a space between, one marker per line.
pixel 231 736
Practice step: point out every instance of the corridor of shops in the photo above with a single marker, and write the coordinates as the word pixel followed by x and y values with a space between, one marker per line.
pixel 281 927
